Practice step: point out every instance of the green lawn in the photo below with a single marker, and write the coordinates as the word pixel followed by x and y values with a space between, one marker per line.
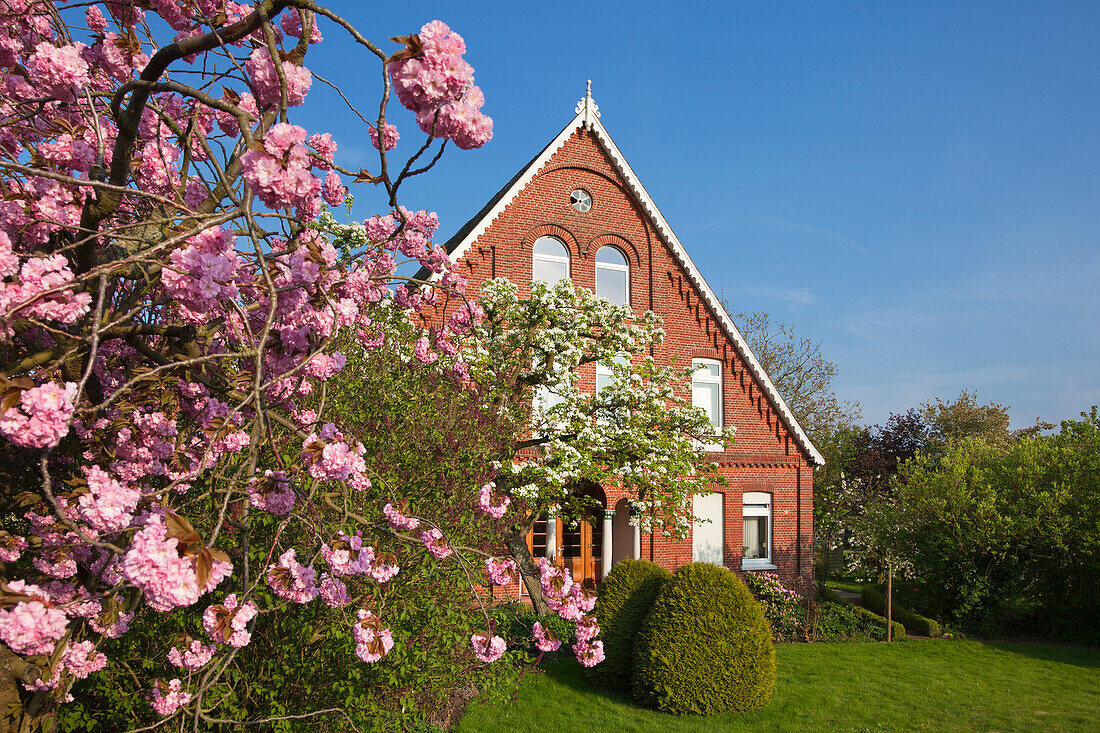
pixel 851 586
pixel 918 685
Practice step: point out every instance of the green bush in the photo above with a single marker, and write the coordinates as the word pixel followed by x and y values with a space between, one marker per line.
pixel 625 599
pixel 875 623
pixel 840 622
pixel 706 646
pixel 873 600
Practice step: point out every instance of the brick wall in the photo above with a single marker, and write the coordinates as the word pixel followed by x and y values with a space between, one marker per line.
pixel 765 457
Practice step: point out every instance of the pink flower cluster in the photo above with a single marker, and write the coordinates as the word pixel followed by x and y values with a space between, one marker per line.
pixel 168 698
pixel 58 72
pixel 265 80
pixel 501 572
pixel 331 459
pixel 227 622
pixel 32 626
pixel 390 136
pixel 279 172
pixel 545 640
pixel 436 543
pixel 349 556
pixel 398 520
pixel 272 493
pixel 194 656
pixel 202 273
pixel 154 564
pixel 438 85
pixel 42 418
pixel 487 649
pixel 495 507
pixel 108 505
pixel 31 297
pixel 291 23
pixel 572 601
pixel 372 640
pixel 589 653
pixel 291 580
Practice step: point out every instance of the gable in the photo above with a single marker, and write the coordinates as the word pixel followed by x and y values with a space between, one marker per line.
pixel 571 150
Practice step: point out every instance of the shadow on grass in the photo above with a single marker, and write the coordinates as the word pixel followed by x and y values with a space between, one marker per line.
pixel 1072 654
pixel 566 671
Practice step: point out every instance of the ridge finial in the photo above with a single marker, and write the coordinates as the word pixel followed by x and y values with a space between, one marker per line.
pixel 588 106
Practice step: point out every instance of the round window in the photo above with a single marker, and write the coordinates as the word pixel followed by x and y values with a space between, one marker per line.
pixel 580 200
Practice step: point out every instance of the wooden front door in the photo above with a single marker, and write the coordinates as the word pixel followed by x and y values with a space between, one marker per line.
pixel 579 548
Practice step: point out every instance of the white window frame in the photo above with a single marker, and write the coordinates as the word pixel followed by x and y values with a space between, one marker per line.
pixel 625 267
pixel 702 376
pixel 556 259
pixel 758 504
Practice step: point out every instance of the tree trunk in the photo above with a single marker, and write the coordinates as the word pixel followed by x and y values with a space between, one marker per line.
pixel 517 545
pixel 889 602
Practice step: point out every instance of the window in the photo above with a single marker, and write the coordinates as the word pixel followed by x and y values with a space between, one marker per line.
pixel 580 200
pixel 756 533
pixel 550 262
pixel 706 394
pixel 612 276
pixel 605 377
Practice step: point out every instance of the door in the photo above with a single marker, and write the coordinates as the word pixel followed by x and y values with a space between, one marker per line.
pixel 579 548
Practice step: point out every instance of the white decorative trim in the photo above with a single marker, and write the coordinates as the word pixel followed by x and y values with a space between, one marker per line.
pixel 588 116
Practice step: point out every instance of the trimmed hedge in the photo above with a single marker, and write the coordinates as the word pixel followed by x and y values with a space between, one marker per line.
pixel 874 600
pixel 829 595
pixel 625 598
pixel 706 646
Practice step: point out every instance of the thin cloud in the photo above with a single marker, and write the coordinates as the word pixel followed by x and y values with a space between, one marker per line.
pixel 795 297
pixel 826 234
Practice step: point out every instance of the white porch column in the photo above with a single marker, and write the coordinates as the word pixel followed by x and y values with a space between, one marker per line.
pixel 608 532
pixel 636 554
pixel 551 537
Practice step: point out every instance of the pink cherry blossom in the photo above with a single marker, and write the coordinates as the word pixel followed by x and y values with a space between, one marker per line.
pixel 398 520
pixel 436 543
pixel 194 656
pixel 495 507
pixel 488 649
pixel 391 136
pixel 348 555
pixel 587 629
pixel 291 580
pixel 108 505
pixel 545 640
pixel 154 564
pixel 81 659
pixel 501 572
pixel 265 80
pixel 272 493
pixel 31 626
pixel 58 72
pixel 333 592
pixel 372 640
pixel 168 698
pixel 227 622
pixel 42 418
pixel 588 653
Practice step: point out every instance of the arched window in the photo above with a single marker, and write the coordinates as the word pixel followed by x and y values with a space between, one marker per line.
pixel 612 275
pixel 550 262
pixel 756 530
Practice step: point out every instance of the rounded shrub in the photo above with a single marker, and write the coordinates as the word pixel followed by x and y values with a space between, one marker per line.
pixel 625 599
pixel 706 646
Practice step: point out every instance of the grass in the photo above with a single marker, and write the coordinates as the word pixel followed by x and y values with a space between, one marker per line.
pixel 851 586
pixel 931 685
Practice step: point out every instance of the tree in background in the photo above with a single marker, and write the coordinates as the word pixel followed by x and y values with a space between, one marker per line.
pixel 801 374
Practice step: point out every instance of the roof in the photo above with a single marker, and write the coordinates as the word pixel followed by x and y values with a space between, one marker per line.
pixel 588 116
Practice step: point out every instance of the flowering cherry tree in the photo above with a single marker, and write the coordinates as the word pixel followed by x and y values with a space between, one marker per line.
pixel 173 291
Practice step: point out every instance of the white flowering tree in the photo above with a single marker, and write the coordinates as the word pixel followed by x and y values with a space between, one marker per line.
pixel 639 431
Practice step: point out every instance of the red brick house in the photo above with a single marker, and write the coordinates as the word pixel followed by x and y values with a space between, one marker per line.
pixel 578 211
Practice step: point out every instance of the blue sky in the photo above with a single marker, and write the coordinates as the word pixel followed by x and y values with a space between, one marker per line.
pixel 916 186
